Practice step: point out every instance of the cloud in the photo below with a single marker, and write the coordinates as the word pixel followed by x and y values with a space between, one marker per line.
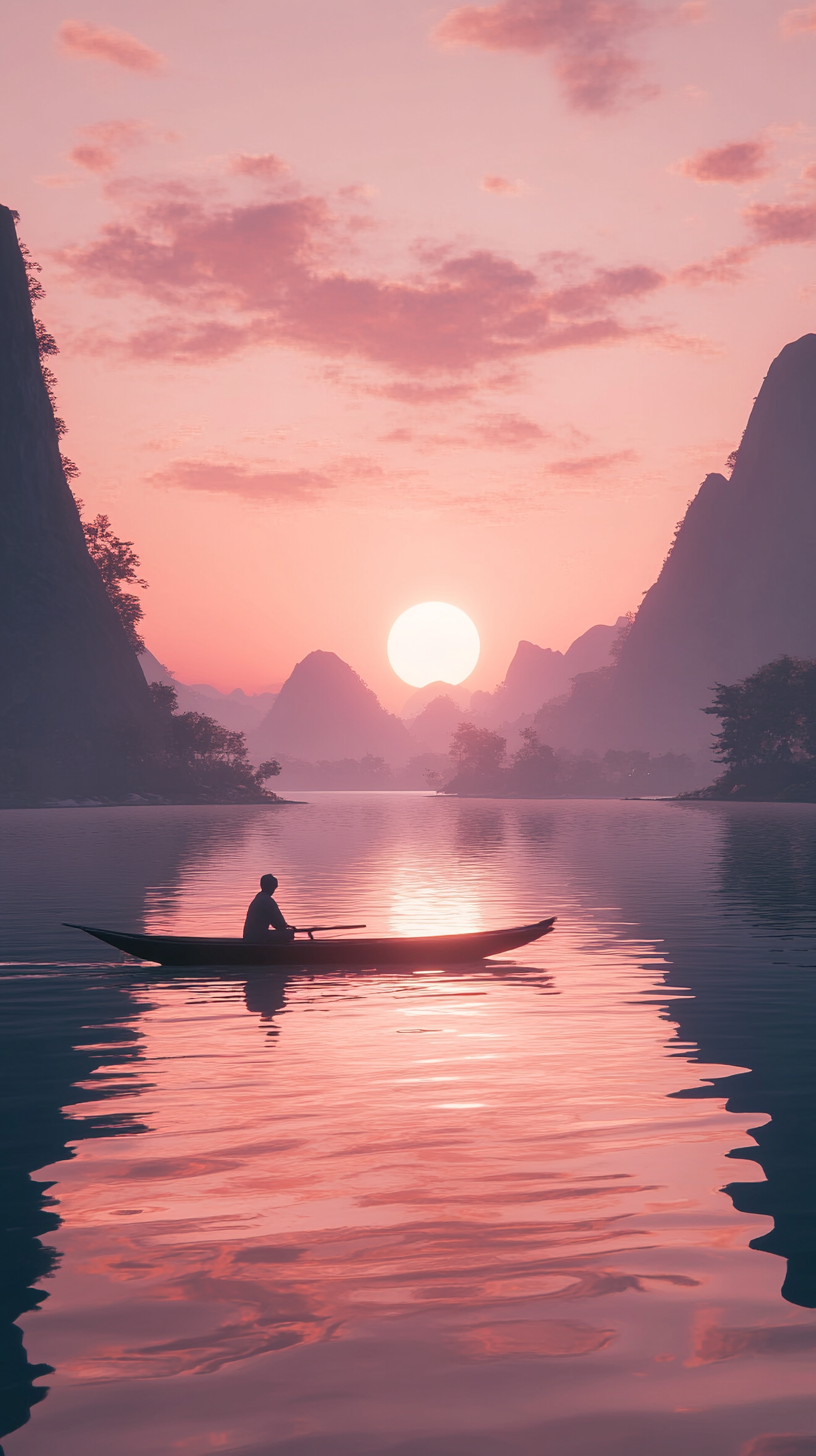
pixel 86 41
pixel 509 431
pixel 257 164
pixel 251 483
pixel 585 465
pixel 797 22
pixel 501 186
pixel 272 272
pixel 693 12
pixel 587 39
pixel 104 143
pixel 782 222
pixel 725 267
pixel 735 162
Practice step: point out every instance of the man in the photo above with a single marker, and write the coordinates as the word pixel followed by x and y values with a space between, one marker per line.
pixel 264 921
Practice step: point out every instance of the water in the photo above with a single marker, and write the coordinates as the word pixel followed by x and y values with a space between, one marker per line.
pixel 426 1212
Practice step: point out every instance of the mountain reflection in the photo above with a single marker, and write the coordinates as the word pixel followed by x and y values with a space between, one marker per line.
pixel 760 1012
pixel 55 1035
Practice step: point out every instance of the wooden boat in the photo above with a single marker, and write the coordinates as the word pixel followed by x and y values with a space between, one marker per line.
pixel 425 950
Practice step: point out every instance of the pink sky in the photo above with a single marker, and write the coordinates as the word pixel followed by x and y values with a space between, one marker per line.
pixel 362 305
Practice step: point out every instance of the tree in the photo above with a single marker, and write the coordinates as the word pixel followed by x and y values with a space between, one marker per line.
pixel 117 563
pixel 479 758
pixel 621 635
pixel 768 718
pixel 202 761
pixel 534 767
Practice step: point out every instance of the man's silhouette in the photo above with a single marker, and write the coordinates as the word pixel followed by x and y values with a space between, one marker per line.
pixel 264 921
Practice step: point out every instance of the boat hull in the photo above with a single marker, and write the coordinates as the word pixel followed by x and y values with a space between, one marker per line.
pixel 426 950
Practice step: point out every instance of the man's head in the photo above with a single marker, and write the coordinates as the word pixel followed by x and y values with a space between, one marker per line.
pixel 269 884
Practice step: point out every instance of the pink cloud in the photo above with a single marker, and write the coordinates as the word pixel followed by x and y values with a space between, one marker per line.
pixel 257 164
pixel 725 267
pixel 782 222
pixel 271 272
pixel 797 22
pixel 585 37
pixel 501 186
pixel 585 465
pixel 734 162
pixel 509 431
pixel 104 143
pixel 693 12
pixel 243 480
pixel 84 40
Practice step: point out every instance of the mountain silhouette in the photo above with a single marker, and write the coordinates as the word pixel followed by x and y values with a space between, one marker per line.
pixel 738 587
pixel 74 703
pixel 437 723
pixel 325 711
pixel 537 674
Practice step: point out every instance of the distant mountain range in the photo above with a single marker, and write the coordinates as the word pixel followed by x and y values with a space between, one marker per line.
pixel 238 711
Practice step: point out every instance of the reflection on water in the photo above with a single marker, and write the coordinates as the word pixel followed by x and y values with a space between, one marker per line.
pixel 418 1212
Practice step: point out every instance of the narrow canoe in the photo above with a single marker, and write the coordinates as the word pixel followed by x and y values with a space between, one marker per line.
pixel 426 950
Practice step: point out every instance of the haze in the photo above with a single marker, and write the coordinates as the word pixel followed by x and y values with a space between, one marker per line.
pixel 361 306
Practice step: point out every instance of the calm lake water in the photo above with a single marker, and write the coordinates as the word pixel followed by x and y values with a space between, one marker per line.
pixel 469 1212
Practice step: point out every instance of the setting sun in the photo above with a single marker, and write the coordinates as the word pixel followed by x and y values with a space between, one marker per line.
pixel 433 642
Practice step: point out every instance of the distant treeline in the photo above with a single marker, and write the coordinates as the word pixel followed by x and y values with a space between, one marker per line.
pixel 537 771
pixel 478 764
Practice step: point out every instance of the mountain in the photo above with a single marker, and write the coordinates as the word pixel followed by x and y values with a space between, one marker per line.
pixel 238 711
pixel 419 700
pixel 74 706
pixel 537 674
pixel 435 725
pixel 738 587
pixel 325 711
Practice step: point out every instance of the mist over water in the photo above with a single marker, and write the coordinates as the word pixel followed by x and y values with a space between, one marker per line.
pixel 424 1212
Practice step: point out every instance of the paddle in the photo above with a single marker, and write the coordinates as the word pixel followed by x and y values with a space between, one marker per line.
pixel 310 929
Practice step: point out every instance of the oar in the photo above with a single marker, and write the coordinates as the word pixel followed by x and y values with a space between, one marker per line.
pixel 310 929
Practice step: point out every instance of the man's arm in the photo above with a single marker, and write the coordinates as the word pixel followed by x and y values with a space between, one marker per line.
pixel 276 919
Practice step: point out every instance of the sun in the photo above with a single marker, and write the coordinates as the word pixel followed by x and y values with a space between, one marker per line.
pixel 433 642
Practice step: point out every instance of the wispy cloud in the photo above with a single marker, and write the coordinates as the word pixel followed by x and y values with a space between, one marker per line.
pixel 257 164
pixel 254 483
pixel 782 222
pixel 798 22
pixel 734 162
pixel 725 267
pixel 104 142
pixel 583 466
pixel 589 40
pixel 274 272
pixel 508 431
pixel 267 480
pixel 502 186
pixel 83 40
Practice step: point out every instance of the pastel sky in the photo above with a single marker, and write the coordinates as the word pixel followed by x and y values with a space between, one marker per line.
pixel 364 304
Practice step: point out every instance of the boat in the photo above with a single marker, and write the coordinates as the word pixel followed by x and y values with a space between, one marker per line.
pixel 424 950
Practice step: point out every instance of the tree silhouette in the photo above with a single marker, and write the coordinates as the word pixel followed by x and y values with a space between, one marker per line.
pixel 117 563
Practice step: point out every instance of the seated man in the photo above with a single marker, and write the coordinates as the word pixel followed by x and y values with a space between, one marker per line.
pixel 264 921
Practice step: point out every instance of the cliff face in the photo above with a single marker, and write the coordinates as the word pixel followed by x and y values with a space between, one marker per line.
pixel 739 586
pixel 73 701
pixel 325 711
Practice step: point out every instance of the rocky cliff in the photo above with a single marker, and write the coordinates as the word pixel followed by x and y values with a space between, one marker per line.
pixel 74 705
pixel 737 589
